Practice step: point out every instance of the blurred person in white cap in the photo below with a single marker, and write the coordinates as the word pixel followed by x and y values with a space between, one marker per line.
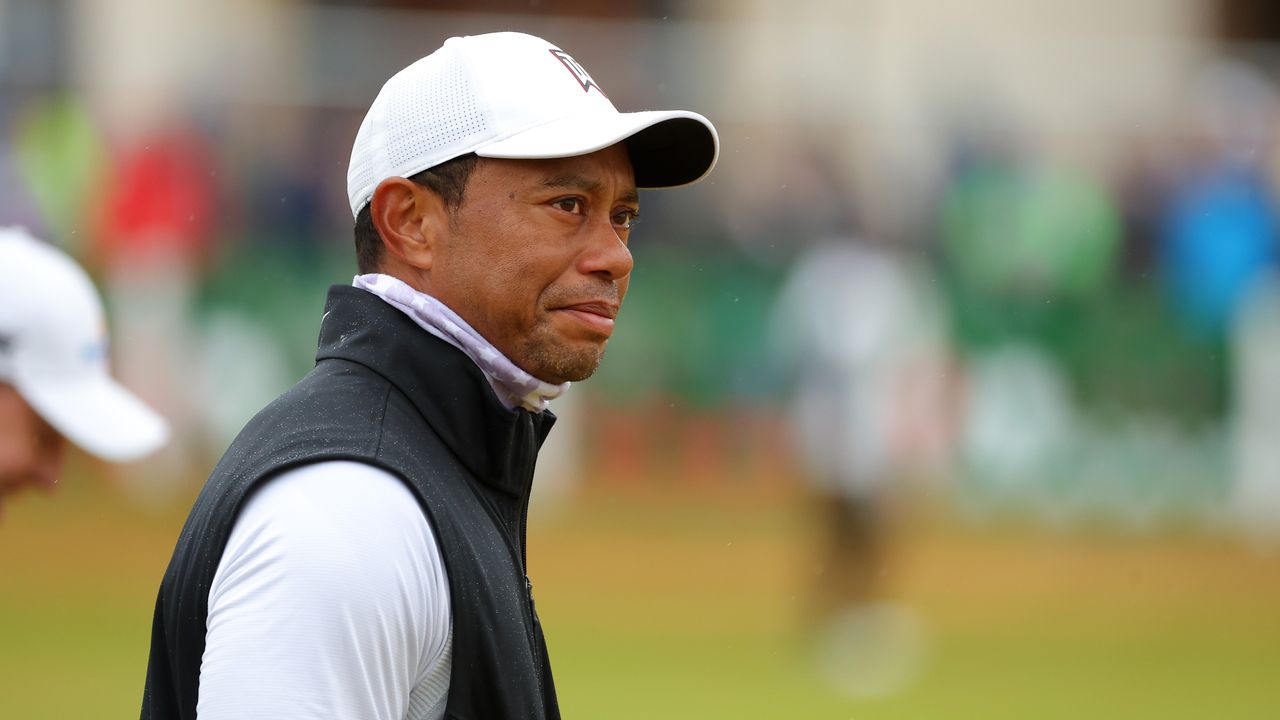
pixel 359 552
pixel 55 384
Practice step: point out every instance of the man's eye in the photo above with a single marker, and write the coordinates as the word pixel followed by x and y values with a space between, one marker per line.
pixel 625 218
pixel 569 205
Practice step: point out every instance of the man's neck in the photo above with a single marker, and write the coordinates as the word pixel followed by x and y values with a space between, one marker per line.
pixel 513 386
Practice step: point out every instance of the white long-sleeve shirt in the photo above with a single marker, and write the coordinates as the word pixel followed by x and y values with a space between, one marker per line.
pixel 331 598
pixel 330 601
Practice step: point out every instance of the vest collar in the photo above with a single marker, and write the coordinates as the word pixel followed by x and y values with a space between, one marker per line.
pixel 513 386
pixel 497 445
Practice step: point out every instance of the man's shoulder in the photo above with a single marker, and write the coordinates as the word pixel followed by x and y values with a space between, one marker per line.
pixel 335 391
pixel 337 409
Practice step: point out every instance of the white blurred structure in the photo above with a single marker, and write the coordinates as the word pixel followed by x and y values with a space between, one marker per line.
pixel 1255 500
pixel 1019 417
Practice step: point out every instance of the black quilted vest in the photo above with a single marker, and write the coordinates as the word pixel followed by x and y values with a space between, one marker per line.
pixel 386 393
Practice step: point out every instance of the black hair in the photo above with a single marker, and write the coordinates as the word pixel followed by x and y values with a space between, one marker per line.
pixel 448 180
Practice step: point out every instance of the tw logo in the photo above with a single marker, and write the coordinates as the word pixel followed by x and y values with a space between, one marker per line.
pixel 579 73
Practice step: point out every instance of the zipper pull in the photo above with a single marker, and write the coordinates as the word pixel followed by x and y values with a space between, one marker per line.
pixel 528 594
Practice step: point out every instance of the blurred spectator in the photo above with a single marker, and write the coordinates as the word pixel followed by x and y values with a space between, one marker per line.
pixel 864 343
pixel 54 378
pixel 1219 237
pixel 1025 248
pixel 1220 249
pixel 161 201
pixel 1219 225
pixel 154 241
pixel 281 187
pixel 60 158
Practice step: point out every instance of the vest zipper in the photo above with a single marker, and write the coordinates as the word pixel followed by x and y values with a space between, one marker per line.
pixel 535 630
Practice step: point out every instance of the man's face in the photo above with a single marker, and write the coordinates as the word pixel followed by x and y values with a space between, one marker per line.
pixel 536 259
pixel 31 451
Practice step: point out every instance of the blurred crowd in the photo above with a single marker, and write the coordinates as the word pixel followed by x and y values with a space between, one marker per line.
pixel 1078 344
pixel 1076 341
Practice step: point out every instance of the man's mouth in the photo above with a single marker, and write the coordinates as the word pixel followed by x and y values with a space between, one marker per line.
pixel 598 315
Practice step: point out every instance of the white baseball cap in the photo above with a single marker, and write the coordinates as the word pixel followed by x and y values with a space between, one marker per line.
pixel 511 95
pixel 53 351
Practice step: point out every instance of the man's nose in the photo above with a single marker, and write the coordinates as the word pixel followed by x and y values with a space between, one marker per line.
pixel 606 253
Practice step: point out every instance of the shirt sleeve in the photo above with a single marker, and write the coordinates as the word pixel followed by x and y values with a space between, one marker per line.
pixel 330 601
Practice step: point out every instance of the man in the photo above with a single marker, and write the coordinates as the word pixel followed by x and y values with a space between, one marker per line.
pixel 54 379
pixel 867 414
pixel 359 551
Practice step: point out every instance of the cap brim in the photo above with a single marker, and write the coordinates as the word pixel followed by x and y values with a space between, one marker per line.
pixel 668 148
pixel 100 416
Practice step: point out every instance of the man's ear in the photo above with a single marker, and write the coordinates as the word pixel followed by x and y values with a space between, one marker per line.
pixel 410 218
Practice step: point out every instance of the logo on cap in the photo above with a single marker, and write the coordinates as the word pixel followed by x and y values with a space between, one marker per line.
pixel 579 73
pixel 94 351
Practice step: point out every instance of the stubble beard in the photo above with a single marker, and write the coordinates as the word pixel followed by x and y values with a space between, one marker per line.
pixel 554 361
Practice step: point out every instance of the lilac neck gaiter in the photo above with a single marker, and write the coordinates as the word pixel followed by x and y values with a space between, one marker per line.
pixel 514 387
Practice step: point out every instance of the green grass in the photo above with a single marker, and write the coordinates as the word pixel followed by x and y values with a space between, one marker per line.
pixel 688 605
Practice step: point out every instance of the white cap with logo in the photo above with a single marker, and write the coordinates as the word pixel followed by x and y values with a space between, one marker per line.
pixel 53 351
pixel 511 95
